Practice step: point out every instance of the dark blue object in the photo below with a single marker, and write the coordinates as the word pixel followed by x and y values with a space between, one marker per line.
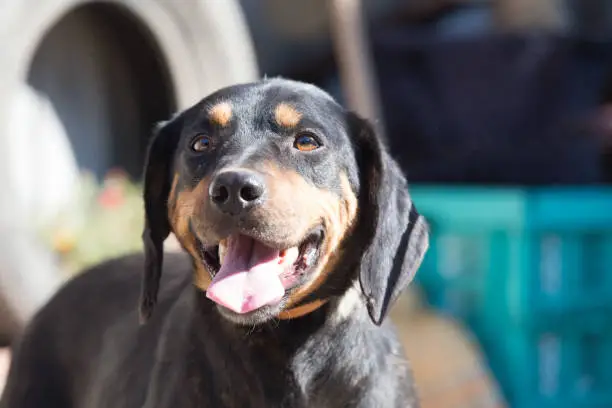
pixel 491 109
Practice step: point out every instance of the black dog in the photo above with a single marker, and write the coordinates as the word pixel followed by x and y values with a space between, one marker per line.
pixel 298 226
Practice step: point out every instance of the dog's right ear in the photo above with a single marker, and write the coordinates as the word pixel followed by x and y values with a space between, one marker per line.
pixel 157 184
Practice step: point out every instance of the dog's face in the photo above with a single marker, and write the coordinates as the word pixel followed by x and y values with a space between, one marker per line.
pixel 278 194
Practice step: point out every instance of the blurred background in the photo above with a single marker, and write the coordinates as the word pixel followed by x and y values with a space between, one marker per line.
pixel 500 111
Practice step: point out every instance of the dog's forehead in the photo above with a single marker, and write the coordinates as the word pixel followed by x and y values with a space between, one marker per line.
pixel 287 99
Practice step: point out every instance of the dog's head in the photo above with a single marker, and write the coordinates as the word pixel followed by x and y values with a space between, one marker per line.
pixel 283 199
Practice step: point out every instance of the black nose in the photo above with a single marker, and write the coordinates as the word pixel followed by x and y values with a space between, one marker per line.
pixel 235 191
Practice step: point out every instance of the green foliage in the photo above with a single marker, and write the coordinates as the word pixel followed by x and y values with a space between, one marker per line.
pixel 106 222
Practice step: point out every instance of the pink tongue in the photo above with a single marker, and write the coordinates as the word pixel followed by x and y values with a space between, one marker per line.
pixel 249 277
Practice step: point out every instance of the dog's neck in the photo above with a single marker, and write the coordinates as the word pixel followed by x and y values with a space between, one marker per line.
pixel 258 362
pixel 332 312
pixel 281 337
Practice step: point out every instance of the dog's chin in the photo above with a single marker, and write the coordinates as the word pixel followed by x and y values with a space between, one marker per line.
pixel 256 317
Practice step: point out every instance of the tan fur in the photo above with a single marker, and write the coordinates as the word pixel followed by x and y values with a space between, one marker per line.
pixel 337 215
pixel 221 114
pixel 182 206
pixel 287 116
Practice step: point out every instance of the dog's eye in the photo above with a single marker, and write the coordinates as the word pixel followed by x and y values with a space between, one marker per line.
pixel 200 143
pixel 306 142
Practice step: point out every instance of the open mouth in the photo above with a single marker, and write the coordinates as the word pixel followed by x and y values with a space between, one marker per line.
pixel 248 274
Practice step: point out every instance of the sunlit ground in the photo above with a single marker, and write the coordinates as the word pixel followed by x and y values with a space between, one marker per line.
pixel 447 364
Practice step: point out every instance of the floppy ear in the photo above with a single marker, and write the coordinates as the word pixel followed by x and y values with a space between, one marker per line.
pixel 157 180
pixel 398 234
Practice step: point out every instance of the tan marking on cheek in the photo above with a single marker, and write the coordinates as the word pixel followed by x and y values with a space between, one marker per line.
pixel 182 209
pixel 172 195
pixel 221 114
pixel 337 215
pixel 201 278
pixel 287 116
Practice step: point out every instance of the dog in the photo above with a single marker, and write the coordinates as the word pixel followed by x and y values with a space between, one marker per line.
pixel 298 234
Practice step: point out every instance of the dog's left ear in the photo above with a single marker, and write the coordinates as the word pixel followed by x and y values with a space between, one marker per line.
pixel 399 235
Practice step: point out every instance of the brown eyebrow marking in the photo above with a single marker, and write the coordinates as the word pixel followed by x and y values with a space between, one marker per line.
pixel 286 115
pixel 221 113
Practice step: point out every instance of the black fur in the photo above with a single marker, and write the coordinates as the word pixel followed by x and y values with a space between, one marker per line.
pixel 85 348
pixel 157 178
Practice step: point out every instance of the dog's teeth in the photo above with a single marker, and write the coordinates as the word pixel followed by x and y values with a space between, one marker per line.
pixel 309 256
pixel 222 251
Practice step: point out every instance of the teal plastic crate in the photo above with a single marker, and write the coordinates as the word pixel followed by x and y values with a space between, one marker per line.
pixel 530 272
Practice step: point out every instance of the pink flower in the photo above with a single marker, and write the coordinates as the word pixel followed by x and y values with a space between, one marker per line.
pixel 111 197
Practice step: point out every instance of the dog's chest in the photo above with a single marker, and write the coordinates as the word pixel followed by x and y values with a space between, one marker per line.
pixel 260 377
pixel 265 377
pixel 327 367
